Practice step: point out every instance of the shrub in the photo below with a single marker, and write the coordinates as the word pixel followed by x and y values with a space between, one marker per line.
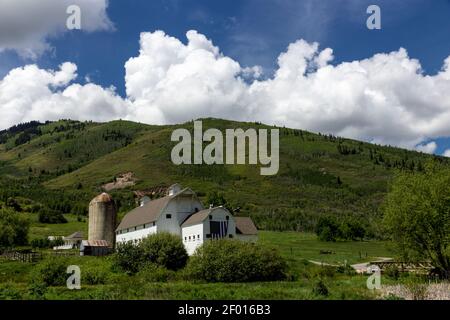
pixel 51 272
pixel 154 273
pixel 416 289
pixel 128 257
pixel 325 271
pixel 51 216
pixel 13 228
pixel 327 228
pixel 37 289
pixel 164 249
pixel 235 261
pixel 392 272
pixel 93 276
pixel 352 229
pixel 392 296
pixel 320 288
pixel 346 269
pixel 9 292
pixel 44 243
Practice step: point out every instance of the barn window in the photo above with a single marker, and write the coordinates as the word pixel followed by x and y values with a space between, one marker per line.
pixel 189 238
pixel 153 223
pixel 210 217
pixel 168 216
pixel 228 218
pixel 208 235
pixel 185 238
pixel 231 236
pixel 198 236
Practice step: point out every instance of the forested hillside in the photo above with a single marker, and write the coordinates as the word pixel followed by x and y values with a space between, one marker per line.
pixel 60 166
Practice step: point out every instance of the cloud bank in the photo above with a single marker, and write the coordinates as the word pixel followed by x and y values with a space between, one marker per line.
pixel 27 25
pixel 385 98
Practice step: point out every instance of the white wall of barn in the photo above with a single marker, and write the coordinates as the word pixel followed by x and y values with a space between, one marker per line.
pixel 220 214
pixel 178 209
pixel 193 237
pixel 138 234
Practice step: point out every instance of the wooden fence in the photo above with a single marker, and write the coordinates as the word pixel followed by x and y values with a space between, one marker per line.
pixel 29 257
pixel 404 266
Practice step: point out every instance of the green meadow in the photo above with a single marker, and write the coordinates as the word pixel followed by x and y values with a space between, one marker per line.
pixel 296 247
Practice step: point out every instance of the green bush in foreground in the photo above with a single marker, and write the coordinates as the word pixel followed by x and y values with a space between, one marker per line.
pixel 51 272
pixel 236 261
pixel 154 273
pixel 9 292
pixel 129 258
pixel 165 250
pixel 320 288
pixel 162 249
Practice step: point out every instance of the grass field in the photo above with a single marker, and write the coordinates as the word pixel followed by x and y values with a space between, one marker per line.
pixel 297 248
pixel 43 230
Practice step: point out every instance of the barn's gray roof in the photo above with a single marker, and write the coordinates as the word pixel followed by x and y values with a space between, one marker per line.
pixel 196 218
pixel 95 243
pixel 245 225
pixel 149 212
pixel 146 214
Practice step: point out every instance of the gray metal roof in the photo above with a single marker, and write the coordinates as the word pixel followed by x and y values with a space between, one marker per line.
pixel 95 243
pixel 245 225
pixel 149 212
pixel 196 218
pixel 145 214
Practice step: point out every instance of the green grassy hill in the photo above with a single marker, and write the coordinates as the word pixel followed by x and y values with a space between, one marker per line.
pixel 64 164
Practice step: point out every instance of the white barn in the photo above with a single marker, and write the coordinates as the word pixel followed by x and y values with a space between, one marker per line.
pixel 180 212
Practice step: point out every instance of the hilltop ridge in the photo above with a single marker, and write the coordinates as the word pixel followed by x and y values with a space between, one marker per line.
pixel 319 174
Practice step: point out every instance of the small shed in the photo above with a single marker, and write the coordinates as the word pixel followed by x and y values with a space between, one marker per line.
pixel 74 240
pixel 95 248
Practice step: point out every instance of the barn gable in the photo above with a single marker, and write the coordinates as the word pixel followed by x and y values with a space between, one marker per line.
pixel 151 211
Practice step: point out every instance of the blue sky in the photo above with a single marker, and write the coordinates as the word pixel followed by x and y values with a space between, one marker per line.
pixel 253 32
pixel 421 26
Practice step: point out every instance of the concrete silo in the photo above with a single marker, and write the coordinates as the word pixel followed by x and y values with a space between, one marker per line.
pixel 102 219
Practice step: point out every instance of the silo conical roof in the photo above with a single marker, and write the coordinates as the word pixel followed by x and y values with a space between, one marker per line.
pixel 102 198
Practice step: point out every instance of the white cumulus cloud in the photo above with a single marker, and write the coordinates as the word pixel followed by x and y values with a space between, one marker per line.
pixel 385 98
pixel 27 25
pixel 427 147
pixel 30 93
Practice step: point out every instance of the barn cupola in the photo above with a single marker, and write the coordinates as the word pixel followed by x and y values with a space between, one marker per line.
pixel 173 189
pixel 144 200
